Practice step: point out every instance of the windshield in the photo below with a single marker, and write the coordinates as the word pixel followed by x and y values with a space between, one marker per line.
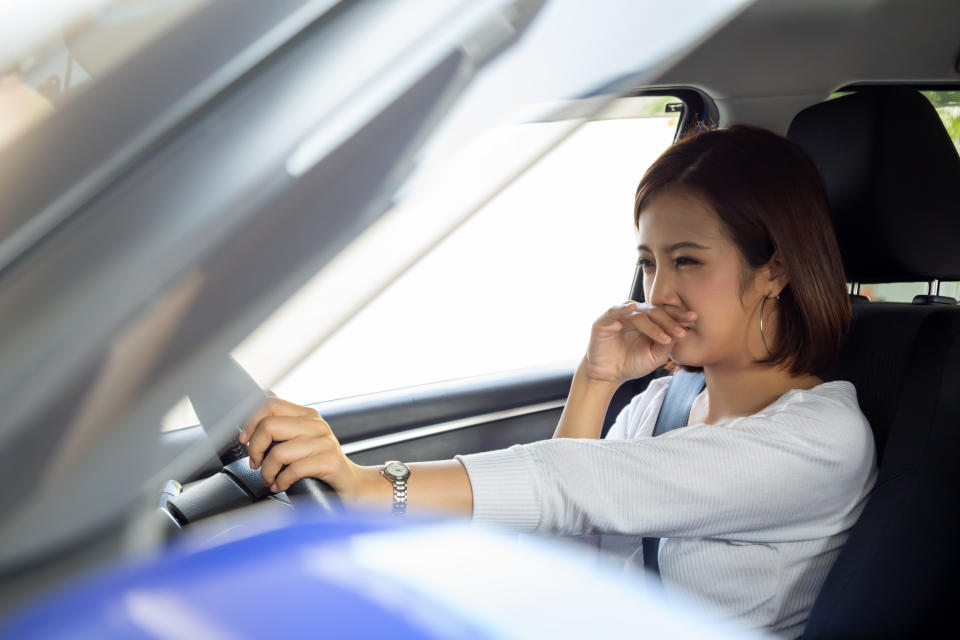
pixel 271 181
pixel 44 66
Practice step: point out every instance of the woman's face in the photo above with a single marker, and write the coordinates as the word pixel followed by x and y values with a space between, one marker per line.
pixel 689 262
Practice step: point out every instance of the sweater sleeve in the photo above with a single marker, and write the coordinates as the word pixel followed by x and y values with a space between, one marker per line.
pixel 793 475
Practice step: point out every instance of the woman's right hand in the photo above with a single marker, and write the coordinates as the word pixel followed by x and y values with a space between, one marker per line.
pixel 632 339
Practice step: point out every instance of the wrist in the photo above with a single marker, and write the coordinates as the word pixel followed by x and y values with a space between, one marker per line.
pixel 586 406
pixel 372 491
pixel 594 383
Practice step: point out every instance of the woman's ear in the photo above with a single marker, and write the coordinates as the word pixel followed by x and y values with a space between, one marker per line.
pixel 775 278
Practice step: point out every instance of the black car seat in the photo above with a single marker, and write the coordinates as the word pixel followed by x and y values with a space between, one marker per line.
pixel 892 177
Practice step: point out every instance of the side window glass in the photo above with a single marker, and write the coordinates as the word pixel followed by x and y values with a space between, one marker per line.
pixel 905 291
pixel 519 284
pixel 947 104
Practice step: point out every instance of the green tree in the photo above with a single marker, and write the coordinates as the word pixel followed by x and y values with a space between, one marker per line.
pixel 947 104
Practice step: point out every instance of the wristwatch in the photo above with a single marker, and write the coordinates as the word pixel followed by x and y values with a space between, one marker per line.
pixel 397 473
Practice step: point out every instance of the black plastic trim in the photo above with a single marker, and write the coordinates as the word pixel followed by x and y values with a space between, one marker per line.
pixel 698 109
pixel 378 414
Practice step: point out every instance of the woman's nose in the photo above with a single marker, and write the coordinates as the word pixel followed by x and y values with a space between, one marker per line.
pixel 662 289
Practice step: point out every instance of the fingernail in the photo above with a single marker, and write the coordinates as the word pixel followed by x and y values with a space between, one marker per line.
pixel 664 338
pixel 274 488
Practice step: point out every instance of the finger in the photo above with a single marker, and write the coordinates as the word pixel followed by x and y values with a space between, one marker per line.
pixel 615 315
pixel 679 313
pixel 618 311
pixel 319 467
pixel 667 322
pixel 663 318
pixel 642 322
pixel 279 429
pixel 289 452
pixel 625 308
pixel 631 306
pixel 273 407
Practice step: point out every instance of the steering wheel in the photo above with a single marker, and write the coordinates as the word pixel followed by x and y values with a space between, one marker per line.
pixel 315 490
pixel 230 386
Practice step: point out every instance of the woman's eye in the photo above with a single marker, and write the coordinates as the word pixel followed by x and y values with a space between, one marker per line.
pixel 645 264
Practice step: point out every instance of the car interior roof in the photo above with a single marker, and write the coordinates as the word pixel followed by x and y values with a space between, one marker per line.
pixel 779 56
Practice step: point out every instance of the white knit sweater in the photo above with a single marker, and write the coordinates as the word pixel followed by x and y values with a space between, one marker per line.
pixel 752 511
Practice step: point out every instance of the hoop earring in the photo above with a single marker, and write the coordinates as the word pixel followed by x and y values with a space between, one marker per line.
pixel 763 338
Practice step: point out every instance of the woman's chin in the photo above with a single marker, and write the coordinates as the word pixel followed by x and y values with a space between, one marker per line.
pixel 686 363
pixel 684 356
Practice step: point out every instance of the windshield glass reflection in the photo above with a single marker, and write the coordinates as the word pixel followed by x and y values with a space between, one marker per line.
pixel 44 64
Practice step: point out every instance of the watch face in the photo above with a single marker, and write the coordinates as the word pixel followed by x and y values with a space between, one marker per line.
pixel 398 470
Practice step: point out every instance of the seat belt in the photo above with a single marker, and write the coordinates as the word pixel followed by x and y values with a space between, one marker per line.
pixel 675 413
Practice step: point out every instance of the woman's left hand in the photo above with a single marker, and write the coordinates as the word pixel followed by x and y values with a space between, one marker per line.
pixel 303 447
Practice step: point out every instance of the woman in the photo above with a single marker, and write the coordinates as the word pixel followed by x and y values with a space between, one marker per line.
pixel 755 496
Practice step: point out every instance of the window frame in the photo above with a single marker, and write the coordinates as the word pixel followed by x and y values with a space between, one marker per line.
pixel 698 108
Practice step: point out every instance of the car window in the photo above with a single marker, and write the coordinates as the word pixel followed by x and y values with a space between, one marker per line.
pixel 519 283
pixel 947 105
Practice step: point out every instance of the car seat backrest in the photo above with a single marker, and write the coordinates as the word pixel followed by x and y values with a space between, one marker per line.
pixel 892 177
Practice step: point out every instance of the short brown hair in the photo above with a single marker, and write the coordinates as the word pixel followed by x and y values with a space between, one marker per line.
pixel 769 197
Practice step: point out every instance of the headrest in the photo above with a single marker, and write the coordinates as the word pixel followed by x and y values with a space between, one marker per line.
pixel 892 177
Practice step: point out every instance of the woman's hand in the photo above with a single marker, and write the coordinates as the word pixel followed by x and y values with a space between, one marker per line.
pixel 303 447
pixel 632 339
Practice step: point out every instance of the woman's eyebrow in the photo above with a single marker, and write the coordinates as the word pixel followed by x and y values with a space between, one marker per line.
pixel 674 247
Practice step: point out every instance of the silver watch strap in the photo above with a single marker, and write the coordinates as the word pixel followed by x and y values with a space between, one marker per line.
pixel 399 497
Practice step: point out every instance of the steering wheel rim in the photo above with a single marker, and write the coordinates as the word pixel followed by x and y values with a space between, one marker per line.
pixel 229 386
pixel 317 491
